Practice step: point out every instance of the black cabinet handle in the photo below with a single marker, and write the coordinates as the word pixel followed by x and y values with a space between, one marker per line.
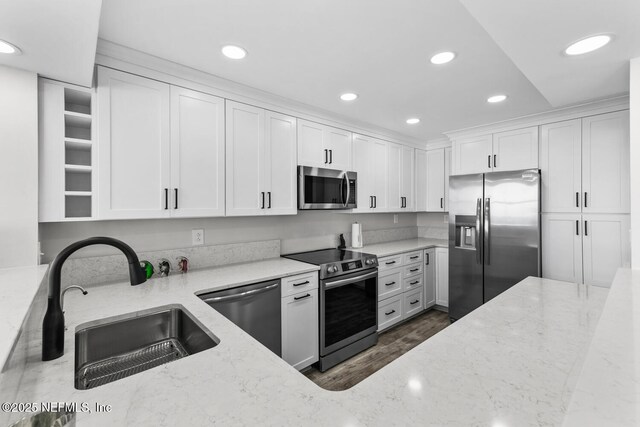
pixel 326 156
pixel 494 160
pixel 414 269
pixel 577 227
pixel 390 312
pixel 586 232
pixel 414 302
pixel 301 283
pixel 390 262
pixel 427 258
pixel 166 198
pixel 489 161
pixel 375 201
pixel 175 206
pixel 390 283
pixel 302 297
pixel 577 199
pixel 414 257
pixel 330 156
pixel 269 193
pixel 415 283
pixel 442 202
pixel 262 193
pixel 585 200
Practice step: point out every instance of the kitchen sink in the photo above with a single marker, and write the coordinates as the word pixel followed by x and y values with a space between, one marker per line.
pixel 114 348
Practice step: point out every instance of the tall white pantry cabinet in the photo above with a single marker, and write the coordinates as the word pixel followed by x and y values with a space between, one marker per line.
pixel 585 198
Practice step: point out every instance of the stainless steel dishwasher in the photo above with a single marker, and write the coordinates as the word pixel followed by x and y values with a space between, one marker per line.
pixel 254 308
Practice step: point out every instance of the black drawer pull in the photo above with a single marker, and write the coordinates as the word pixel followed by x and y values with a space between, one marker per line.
pixel 414 269
pixel 301 283
pixel 414 257
pixel 302 297
pixel 414 302
pixel 390 262
pixel 389 313
pixel 415 283
pixel 389 284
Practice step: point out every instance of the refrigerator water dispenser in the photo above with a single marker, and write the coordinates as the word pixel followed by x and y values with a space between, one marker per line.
pixel 465 232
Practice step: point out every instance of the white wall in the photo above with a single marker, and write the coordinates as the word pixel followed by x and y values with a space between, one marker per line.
pixel 18 167
pixel 634 92
pixel 308 230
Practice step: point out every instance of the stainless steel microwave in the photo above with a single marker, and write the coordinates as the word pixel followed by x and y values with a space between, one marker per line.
pixel 320 188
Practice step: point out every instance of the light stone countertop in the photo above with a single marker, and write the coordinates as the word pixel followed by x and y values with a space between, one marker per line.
pixel 400 246
pixel 18 286
pixel 608 393
pixel 513 361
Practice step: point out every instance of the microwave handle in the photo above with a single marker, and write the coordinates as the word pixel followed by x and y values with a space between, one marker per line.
pixel 346 183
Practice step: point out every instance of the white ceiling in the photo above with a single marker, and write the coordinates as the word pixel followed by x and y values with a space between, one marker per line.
pixel 57 38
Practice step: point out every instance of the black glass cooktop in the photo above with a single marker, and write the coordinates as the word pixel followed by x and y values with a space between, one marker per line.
pixel 325 256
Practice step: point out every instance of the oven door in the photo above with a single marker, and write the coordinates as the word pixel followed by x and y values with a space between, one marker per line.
pixel 348 309
pixel 320 188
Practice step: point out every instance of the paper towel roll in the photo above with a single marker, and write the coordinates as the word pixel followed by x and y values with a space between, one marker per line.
pixel 356 235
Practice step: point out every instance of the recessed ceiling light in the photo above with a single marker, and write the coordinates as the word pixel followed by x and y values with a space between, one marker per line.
pixel 496 98
pixel 348 96
pixel 588 45
pixel 233 52
pixel 442 58
pixel 413 121
pixel 6 47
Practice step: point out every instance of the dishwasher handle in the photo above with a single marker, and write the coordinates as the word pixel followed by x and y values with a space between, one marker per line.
pixel 242 294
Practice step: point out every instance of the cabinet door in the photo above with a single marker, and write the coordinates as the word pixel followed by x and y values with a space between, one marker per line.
pixel 134 146
pixel 394 168
pixel 389 284
pixel 429 277
pixel 442 277
pixel 407 170
pixel 197 154
pixel 363 163
pixel 338 142
pixel 447 174
pixel 422 183
pixel 311 145
pixel 413 303
pixel 473 155
pixel 606 247
pixel 245 193
pixel 435 180
pixel 380 175
pixel 605 163
pixel 516 149
pixel 280 171
pixel 562 247
pixel 561 166
pixel 300 329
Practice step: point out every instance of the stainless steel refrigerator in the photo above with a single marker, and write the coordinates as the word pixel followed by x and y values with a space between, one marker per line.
pixel 494 235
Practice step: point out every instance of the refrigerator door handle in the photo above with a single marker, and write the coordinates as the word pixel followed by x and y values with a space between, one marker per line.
pixel 478 245
pixel 487 230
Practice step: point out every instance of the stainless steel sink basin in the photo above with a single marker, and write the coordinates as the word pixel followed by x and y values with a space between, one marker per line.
pixel 114 348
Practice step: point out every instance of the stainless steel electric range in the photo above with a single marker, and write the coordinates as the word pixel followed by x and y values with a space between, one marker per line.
pixel 348 302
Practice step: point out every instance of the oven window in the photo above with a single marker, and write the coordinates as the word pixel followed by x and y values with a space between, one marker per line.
pixel 323 190
pixel 349 309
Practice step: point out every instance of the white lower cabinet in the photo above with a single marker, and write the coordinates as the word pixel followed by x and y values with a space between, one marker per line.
pixel 429 277
pixel 300 340
pixel 413 303
pixel 389 284
pixel 562 247
pixel 442 277
pixel 389 312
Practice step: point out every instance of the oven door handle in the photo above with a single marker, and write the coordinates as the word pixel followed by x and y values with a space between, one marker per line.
pixel 342 282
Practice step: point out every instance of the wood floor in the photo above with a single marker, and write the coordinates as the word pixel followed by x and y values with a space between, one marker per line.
pixel 391 345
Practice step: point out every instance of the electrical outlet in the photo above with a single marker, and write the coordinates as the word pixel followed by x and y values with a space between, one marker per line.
pixel 197 237
pixel 446 219
pixel 395 218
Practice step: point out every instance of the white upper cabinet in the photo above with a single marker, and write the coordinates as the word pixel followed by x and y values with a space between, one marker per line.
pixel 562 247
pixel 605 163
pixel 560 163
pixel 197 154
pixel 517 149
pixel 370 163
pixel 261 169
pixel 435 180
pixel 422 174
pixel 134 134
pixel 447 174
pixel 407 179
pixel 473 155
pixel 323 146
pixel 605 247
pixel 394 180
pixel 503 151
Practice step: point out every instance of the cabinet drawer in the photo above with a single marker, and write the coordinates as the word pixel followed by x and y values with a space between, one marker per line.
pixel 389 284
pixel 412 283
pixel 413 303
pixel 390 262
pixel 299 283
pixel 413 270
pixel 411 257
pixel 389 312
